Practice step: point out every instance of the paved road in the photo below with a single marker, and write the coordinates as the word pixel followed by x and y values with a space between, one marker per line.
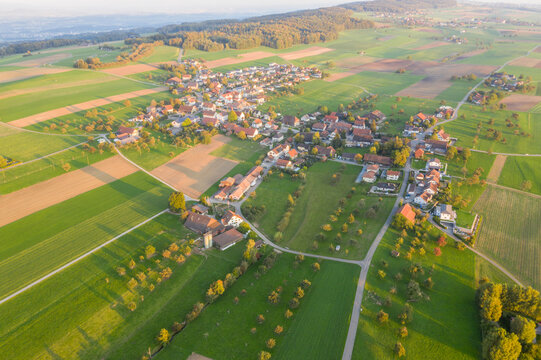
pixel 18 292
pixel 498 266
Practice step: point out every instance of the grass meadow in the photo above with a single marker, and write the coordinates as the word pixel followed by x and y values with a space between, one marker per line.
pixel 518 169
pixel 72 227
pixel 444 327
pixel 15 178
pixel 317 329
pixel 476 160
pixel 510 232
pixel 20 106
pixel 81 313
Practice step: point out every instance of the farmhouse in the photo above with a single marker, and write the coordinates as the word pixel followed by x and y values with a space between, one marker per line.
pixel 325 151
pixel 231 219
pixel 227 239
pixel 278 151
pixel 174 81
pixel 434 163
pixel 407 211
pixel 291 121
pixel 419 153
pixel 392 175
pixel 376 115
pixel 369 177
pixel 377 159
pixel 203 224
pixel 126 135
pixel 284 164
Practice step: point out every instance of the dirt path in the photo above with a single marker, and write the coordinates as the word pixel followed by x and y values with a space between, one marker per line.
pixel 51 114
pixel 496 169
pixel 21 203
pixel 195 170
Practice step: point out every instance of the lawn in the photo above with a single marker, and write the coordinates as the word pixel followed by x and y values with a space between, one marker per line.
pixel 162 54
pixel 70 228
pixel 24 146
pixel 80 313
pixel 444 327
pixel 309 215
pixel 470 193
pixel 465 129
pixel 20 106
pixel 25 175
pixel 317 329
pixel 510 232
pixel 476 160
pixel 240 150
pixel 518 169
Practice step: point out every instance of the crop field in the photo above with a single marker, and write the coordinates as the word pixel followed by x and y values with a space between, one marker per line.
pixel 500 54
pixel 433 333
pixel 466 130
pixel 21 106
pixel 162 54
pixel 15 178
pixel 456 91
pixel 518 169
pixel 511 231
pixel 24 146
pixel 239 150
pixel 316 330
pixel 81 313
pixel 75 226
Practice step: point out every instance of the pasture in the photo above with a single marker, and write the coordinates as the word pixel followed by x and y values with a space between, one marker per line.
pixel 518 169
pixel 510 232
pixel 72 227
pixel 444 327
pixel 81 313
pixel 477 160
pixel 316 330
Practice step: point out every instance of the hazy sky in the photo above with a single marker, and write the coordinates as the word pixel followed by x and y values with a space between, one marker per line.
pixel 17 8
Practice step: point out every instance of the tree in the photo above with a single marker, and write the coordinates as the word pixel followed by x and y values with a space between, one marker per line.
pixel 177 202
pixel 263 355
pixel 403 331
pixel 299 293
pixel 399 350
pixel 232 117
pixel 437 251
pixel 271 343
pixel 381 274
pixel 406 315
pixel 498 344
pixel 251 251
pixel 351 218
pixel 132 283
pixel 524 329
pixel 66 167
pixel 382 317
pixel 288 314
pixel 241 135
pixel 164 337
pixel 316 266
pixel 451 152
pixel 150 251
pixel 278 329
pixel 401 222
pixel 526 185
pixel 358 158
pixel 3 162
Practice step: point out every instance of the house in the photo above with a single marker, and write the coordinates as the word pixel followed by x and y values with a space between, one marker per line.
pixel 230 218
pixel 126 135
pixel 411 189
pixel 209 121
pixel 284 164
pixel 420 119
pixel 250 132
pixel 266 142
pixel 407 211
pixel 319 127
pixel 377 159
pixel 278 151
pixel 392 175
pixel 423 199
pixel 438 146
pixel 445 212
pixel 209 106
pixel 419 153
pixel 227 182
pixel 373 168
pixel 369 177
pixel 330 119
pixel 434 163
pixel 257 124
pixel 292 154
pixel 203 224
pixel 291 120
pixel 187 109
pixel 200 209
pixel 385 187
pixel 376 115
pixel 174 81
pixel 227 239
pixel 325 151
pixel 359 124
pixel 442 135
pixel 410 129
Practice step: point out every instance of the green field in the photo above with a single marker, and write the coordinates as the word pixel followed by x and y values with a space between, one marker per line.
pixel 501 53
pixel 70 228
pixel 32 173
pixel 23 146
pixel 444 327
pixel 316 330
pixel 240 150
pixel 162 54
pixel 510 232
pixel 457 90
pixel 81 312
pixel 476 160
pixel 518 169
pixel 309 213
pixel 469 193
pixel 466 129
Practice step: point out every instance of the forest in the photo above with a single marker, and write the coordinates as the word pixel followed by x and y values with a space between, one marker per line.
pixel 397 6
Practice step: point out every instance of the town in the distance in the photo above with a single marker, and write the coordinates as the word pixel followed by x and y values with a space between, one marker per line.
pixel 358 181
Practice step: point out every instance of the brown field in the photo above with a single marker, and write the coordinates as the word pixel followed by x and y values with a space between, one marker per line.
pixel 21 74
pixel 428 30
pixel 510 232
pixel 469 54
pixel 385 38
pixel 195 170
pixel 42 61
pixel 438 78
pixel 432 45
pixel 496 169
pixel 130 69
pixel 538 49
pixel 51 114
pixel 338 76
pixel 352 62
pixel 527 62
pixel 255 55
pixel 518 102
pixel 24 202
pixel 311 51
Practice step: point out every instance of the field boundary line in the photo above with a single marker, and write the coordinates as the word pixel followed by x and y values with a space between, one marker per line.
pixel 81 257
pixel 525 193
